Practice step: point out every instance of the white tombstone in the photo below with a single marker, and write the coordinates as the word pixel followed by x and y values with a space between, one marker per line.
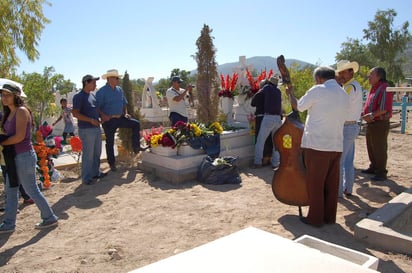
pixel 149 97
pixel 242 107
pixel 151 109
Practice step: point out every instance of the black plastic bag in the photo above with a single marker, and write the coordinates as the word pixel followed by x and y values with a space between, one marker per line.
pixel 225 172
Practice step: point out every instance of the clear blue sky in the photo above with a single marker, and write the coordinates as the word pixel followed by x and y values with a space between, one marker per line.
pixel 150 38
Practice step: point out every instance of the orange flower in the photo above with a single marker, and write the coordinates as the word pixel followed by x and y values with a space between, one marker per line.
pixel 76 144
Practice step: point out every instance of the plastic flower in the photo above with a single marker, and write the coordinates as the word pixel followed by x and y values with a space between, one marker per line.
pixel 216 127
pixel 228 86
pixel 44 156
pixel 155 140
pixel 254 82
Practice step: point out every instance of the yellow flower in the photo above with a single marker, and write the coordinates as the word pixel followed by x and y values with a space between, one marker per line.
pixel 216 127
pixel 196 130
pixel 155 140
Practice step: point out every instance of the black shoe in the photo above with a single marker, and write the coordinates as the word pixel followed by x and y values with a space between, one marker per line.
pixel 368 171
pixel 306 222
pixel 113 168
pixel 347 194
pixel 378 178
pixel 100 176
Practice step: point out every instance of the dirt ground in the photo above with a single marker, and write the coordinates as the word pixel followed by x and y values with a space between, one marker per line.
pixel 131 219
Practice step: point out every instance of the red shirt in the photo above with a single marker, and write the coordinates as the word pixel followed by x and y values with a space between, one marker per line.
pixel 379 99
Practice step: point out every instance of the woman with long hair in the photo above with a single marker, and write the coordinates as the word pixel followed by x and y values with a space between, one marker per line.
pixel 17 122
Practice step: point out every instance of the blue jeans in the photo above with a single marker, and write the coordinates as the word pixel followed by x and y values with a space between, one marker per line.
pixel 26 170
pixel 110 128
pixel 347 170
pixel 270 124
pixel 91 150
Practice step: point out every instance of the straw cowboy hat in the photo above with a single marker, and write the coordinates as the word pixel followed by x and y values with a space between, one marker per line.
pixel 345 65
pixel 111 73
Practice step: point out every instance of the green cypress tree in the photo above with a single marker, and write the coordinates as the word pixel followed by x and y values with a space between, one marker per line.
pixel 125 134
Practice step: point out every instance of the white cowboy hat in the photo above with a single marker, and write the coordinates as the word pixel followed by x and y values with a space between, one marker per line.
pixel 111 73
pixel 10 82
pixel 345 65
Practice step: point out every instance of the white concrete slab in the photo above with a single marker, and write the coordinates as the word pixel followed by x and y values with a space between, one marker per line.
pixel 348 254
pixel 180 168
pixel 253 250
pixel 389 226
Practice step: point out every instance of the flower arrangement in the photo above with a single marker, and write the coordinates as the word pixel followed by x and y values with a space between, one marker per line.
pixel 180 133
pixel 44 157
pixel 184 132
pixel 229 89
pixel 253 87
pixel 156 137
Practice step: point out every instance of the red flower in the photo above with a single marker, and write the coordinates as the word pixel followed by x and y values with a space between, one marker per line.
pixel 76 144
pixel 254 83
pixel 168 140
pixel 228 86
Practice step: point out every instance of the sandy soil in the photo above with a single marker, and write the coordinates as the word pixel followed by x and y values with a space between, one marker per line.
pixel 131 218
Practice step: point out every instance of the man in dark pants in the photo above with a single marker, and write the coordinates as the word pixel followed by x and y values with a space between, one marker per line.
pixel 112 107
pixel 322 142
pixel 377 112
pixel 258 103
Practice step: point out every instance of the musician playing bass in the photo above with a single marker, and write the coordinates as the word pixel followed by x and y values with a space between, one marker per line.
pixel 322 143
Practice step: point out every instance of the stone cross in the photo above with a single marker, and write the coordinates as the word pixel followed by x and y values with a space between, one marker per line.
pixel 241 71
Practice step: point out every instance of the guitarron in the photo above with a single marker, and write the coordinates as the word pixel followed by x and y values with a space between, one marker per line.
pixel 289 184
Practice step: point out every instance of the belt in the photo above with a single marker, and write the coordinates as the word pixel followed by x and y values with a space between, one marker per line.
pixel 115 116
pixel 261 115
pixel 267 114
pixel 351 122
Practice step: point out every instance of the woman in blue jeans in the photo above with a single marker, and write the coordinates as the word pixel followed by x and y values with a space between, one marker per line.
pixel 17 124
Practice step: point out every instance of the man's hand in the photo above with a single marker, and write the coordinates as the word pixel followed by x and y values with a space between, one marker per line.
pixel 368 117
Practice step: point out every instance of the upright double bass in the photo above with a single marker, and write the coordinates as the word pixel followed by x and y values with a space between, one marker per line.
pixel 288 183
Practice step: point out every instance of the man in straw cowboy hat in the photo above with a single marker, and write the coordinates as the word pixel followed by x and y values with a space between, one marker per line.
pixel 345 71
pixel 112 107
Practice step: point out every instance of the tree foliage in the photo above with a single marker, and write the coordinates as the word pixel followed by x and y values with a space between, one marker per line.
pixel 21 24
pixel 384 45
pixel 353 49
pixel 40 90
pixel 125 134
pixel 302 80
pixel 207 77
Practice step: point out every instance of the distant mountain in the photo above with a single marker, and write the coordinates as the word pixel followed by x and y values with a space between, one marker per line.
pixel 258 63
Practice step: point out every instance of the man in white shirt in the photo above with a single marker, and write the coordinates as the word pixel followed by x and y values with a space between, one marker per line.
pixel 322 143
pixel 176 100
pixel 345 71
